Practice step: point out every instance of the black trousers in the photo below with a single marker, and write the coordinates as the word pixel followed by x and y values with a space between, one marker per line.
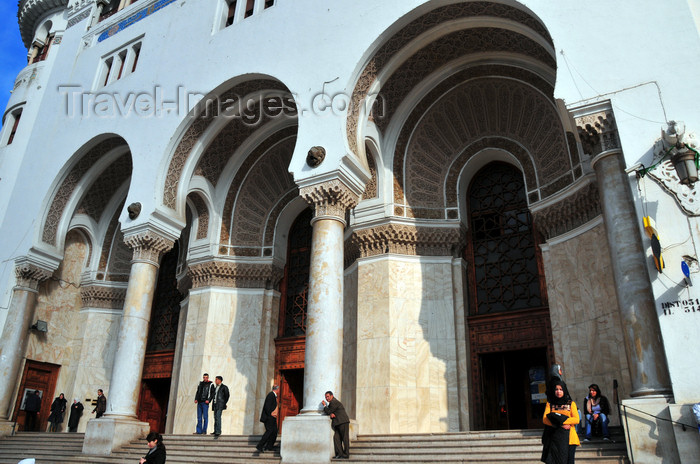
pixel 30 418
pixel 268 439
pixel 341 439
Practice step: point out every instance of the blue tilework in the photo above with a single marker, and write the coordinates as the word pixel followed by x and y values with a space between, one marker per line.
pixel 133 19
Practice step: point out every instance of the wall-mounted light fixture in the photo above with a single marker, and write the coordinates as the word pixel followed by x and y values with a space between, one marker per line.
pixel 681 150
pixel 40 326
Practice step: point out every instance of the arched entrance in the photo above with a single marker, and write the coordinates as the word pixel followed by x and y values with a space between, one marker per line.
pixel 510 334
pixel 290 342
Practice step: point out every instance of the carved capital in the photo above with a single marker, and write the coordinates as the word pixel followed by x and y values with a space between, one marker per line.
pixel 405 239
pixel 330 199
pixel 236 275
pixel 598 132
pixel 572 211
pixel 99 296
pixel 30 275
pixel 148 246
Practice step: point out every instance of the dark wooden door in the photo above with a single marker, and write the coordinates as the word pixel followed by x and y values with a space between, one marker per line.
pixel 153 403
pixel 36 376
pixel 291 393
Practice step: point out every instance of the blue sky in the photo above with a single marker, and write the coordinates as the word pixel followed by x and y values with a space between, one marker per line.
pixel 13 55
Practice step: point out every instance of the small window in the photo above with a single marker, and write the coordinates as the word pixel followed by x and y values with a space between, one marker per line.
pixel 16 116
pixel 231 13
pixel 119 64
pixel 249 7
pixel 107 70
pixel 269 3
pixel 121 59
pixel 136 52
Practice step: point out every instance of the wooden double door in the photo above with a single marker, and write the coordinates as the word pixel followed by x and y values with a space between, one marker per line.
pixel 36 376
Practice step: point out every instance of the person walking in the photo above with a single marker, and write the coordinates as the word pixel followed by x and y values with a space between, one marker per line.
pixel 340 423
pixel 156 450
pixel 219 399
pixel 202 398
pixel 76 411
pixel 101 406
pixel 32 406
pixel 269 418
pixel 58 407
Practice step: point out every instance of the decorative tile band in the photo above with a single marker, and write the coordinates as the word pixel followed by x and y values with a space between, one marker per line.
pixel 133 19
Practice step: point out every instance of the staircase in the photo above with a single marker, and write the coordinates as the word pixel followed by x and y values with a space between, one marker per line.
pixel 493 447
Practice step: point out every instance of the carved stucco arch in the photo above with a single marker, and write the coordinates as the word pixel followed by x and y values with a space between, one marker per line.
pixel 520 32
pixel 484 112
pixel 208 139
pixel 85 187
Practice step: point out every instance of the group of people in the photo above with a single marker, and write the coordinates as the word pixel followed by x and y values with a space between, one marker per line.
pixel 561 416
pixel 32 407
pixel 217 394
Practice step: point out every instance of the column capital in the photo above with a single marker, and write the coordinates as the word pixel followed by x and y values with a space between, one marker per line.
pixel 148 246
pixel 30 275
pixel 330 199
pixel 218 273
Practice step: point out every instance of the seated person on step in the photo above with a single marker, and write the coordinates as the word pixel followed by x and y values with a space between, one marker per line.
pixel 597 409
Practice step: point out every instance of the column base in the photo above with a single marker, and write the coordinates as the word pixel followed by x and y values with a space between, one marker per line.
pixel 7 428
pixel 649 439
pixel 108 434
pixel 307 439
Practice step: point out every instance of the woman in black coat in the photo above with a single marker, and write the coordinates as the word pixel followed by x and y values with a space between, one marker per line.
pixel 76 410
pixel 156 450
pixel 58 407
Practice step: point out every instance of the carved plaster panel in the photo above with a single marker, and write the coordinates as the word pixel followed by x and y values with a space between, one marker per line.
pixel 197 128
pixel 483 111
pixel 148 246
pixel 598 132
pixel 119 264
pixel 99 296
pixel 330 199
pixel 70 182
pixel 405 239
pixel 237 275
pixel 667 177
pixel 286 137
pixel 103 188
pixel 30 275
pixel 202 216
pixel 371 186
pixel 414 29
pixel 571 212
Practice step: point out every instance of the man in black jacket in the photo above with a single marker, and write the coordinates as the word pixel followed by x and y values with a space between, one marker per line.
pixel 220 397
pixel 101 406
pixel 340 423
pixel 32 406
pixel 205 390
pixel 269 418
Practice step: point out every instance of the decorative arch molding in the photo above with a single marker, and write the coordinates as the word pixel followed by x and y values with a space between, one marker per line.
pixel 439 49
pixel 485 112
pixel 91 163
pixel 207 143
pixel 258 193
pixel 201 208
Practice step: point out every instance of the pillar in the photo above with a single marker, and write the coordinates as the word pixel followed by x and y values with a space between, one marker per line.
pixel 15 334
pixel 308 437
pixel 119 425
pixel 643 344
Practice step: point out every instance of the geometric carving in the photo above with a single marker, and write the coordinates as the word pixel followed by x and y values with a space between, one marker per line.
pixel 405 239
pixel 119 263
pixel 219 151
pixel 666 176
pixel 508 113
pixel 513 42
pixel 237 275
pixel 598 132
pixel 99 296
pixel 202 215
pixel 106 184
pixel 576 209
pixel 69 183
pixel 371 186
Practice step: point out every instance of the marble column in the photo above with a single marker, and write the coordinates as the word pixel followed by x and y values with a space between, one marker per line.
pixel 643 344
pixel 119 424
pixel 15 334
pixel 308 437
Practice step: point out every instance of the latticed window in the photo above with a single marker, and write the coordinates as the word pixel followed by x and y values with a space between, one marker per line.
pixel 296 285
pixel 504 272
pixel 162 332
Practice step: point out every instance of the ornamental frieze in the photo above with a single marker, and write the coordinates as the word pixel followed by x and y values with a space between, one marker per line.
pixel 103 297
pixel 30 275
pixel 405 239
pixel 235 275
pixel 598 132
pixel 569 213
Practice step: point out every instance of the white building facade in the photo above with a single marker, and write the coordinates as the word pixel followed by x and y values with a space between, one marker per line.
pixel 419 205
